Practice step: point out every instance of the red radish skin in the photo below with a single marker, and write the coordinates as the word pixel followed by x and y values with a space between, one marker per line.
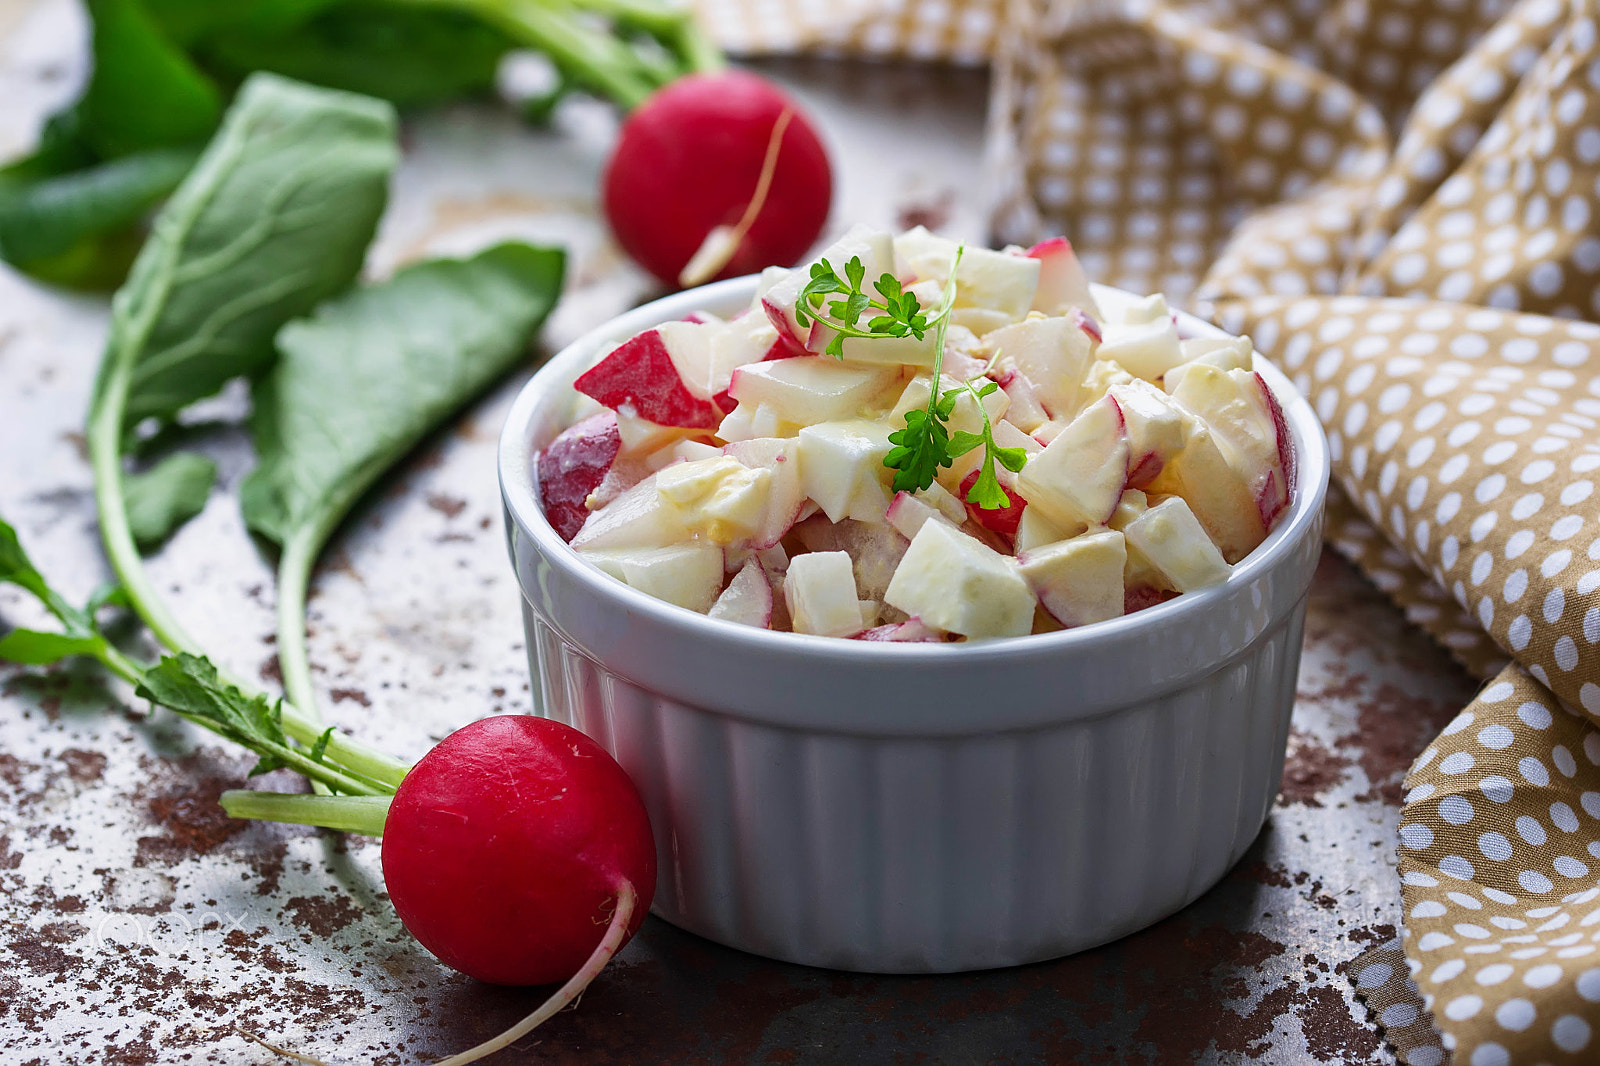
pixel 508 847
pixel 573 466
pixel 689 160
pixel 640 372
pixel 1003 520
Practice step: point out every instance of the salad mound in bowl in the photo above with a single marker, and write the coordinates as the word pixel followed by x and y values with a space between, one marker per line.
pixel 909 440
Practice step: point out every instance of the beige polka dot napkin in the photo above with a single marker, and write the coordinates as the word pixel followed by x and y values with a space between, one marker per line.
pixel 1400 201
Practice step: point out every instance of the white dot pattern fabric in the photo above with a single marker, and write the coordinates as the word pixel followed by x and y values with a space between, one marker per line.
pixel 1400 201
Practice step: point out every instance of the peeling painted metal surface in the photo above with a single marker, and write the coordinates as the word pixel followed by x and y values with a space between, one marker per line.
pixel 139 925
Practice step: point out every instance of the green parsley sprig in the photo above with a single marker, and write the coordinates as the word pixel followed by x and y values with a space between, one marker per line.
pixel 925 445
pixel 986 492
pixel 901 314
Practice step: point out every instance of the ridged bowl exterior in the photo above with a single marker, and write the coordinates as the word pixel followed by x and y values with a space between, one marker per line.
pixel 922 808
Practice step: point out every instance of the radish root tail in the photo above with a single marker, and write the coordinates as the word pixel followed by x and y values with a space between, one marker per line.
pixel 275 1049
pixel 722 243
pixel 568 993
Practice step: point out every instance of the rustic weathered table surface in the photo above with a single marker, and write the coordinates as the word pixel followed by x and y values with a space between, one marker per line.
pixel 137 924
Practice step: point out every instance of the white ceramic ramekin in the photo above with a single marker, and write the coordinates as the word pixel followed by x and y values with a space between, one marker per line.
pixel 921 808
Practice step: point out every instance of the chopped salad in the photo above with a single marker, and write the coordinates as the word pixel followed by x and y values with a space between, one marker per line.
pixel 907 439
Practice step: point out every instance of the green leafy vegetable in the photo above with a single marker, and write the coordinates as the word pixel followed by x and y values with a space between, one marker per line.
pixel 167 495
pixel 144 91
pixel 922 446
pixel 78 227
pixel 361 381
pixel 191 686
pixel 986 492
pixel 31 647
pixel 901 314
pixel 413 350
pixel 274 218
pixel 411 56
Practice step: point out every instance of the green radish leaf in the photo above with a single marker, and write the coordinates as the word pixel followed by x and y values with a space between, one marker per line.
pixel 413 349
pixel 17 569
pixel 320 748
pixel 274 218
pixel 32 647
pixel 189 684
pixel 161 499
pixel 144 91
pixel 66 227
pixel 107 594
pixel 411 56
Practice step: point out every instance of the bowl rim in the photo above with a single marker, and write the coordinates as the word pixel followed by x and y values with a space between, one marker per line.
pixel 517 478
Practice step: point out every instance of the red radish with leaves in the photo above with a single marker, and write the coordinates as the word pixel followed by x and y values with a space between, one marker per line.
pixel 515 817
pixel 517 850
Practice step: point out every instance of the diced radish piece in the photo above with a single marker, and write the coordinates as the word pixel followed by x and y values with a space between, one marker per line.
pixel 1140 573
pixel 1138 598
pixel 876 253
pixel 1007 435
pixel 640 373
pixel 1154 425
pixel 1287 459
pixel 896 351
pixel 721 499
pixel 689 345
pixel 749 339
pixel 1079 580
pixel 906 513
pixel 1080 475
pixel 1244 418
pixel 1034 530
pixel 774 560
pixel 687 575
pixel 1002 520
pixel 1146 350
pixel 1170 536
pixel 749 421
pixel 838 460
pixel 624 474
pixel 808 391
pixel 820 590
pixel 875 551
pixel 1062 281
pixel 1024 410
pixel 639 518
pixel 1053 354
pixel 748 598
pixel 911 631
pixel 1220 496
pixel 953 582
pixel 869 613
pixel 1086 322
pixel 641 437
pixel 785 497
pixel 979 320
pixel 987 279
pixel 572 467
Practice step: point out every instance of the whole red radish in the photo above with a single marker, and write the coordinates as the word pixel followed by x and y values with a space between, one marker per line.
pixel 690 159
pixel 509 848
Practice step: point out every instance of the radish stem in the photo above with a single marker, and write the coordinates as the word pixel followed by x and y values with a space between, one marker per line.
pixel 616 933
pixel 350 814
